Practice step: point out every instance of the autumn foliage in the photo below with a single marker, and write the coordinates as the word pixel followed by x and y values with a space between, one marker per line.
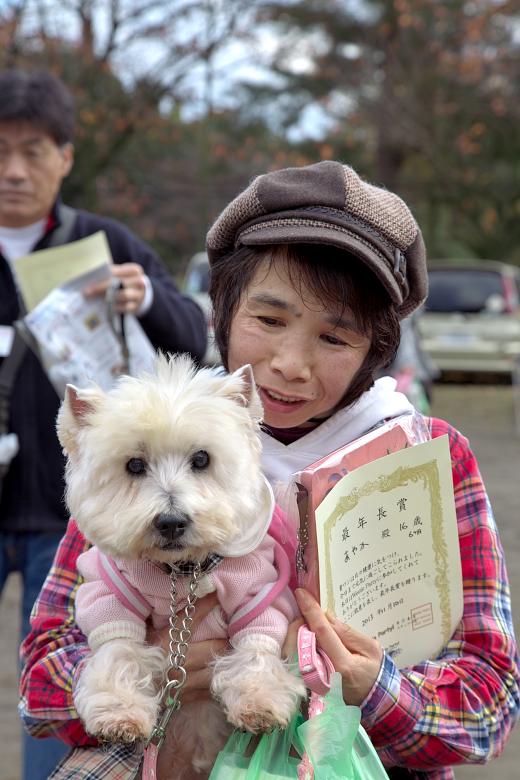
pixel 421 96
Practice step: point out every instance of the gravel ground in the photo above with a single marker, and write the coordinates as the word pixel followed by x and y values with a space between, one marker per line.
pixel 486 415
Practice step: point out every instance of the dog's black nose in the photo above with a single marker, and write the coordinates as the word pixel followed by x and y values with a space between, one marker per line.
pixel 171 526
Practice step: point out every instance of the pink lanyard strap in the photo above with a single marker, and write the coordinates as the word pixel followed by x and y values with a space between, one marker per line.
pixel 150 762
pixel 315 666
pixel 316 669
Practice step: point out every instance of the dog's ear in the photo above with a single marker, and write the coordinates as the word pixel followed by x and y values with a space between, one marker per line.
pixel 78 405
pixel 248 395
pixel 73 415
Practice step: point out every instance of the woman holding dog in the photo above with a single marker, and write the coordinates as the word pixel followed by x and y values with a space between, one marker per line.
pixel 312 271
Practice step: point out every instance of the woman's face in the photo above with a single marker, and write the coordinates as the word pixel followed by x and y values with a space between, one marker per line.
pixel 303 359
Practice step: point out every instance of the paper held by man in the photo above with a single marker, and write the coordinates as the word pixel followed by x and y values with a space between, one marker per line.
pixel 78 339
pixel 41 272
pixel 382 549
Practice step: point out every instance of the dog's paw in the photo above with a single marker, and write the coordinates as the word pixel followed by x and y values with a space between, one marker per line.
pixel 114 718
pixel 259 709
pixel 257 722
pixel 116 695
pixel 257 693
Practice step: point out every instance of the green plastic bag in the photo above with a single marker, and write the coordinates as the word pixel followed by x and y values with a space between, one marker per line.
pixel 336 743
pixel 233 761
pixel 273 756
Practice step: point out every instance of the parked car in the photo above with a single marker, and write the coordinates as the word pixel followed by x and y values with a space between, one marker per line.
pixel 471 319
pixel 196 284
pixel 413 369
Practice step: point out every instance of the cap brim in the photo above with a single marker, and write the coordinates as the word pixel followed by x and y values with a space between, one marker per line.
pixel 375 257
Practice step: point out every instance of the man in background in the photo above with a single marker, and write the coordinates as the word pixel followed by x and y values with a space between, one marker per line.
pixel 36 154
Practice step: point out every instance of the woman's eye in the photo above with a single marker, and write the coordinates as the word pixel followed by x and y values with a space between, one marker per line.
pixel 200 460
pixel 330 339
pixel 270 321
pixel 136 466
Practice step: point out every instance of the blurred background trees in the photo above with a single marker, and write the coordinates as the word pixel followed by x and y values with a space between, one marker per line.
pixel 181 102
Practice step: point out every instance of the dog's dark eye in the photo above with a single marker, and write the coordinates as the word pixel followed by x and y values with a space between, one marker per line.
pixel 200 460
pixel 136 466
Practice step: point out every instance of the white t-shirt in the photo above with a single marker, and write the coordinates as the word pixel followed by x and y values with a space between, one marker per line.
pixel 18 242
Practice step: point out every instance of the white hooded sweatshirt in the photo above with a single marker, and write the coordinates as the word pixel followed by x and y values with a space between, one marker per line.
pixel 380 403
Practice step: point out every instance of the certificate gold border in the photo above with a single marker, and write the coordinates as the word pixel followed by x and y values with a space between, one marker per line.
pixel 428 473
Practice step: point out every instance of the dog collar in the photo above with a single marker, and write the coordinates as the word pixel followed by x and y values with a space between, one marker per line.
pixel 186 568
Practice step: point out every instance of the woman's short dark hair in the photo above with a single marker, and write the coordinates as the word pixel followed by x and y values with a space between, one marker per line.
pixel 39 98
pixel 339 281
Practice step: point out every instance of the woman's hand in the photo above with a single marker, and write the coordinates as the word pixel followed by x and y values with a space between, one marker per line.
pixel 200 654
pixel 355 656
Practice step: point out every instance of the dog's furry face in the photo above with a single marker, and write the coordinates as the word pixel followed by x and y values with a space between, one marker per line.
pixel 164 467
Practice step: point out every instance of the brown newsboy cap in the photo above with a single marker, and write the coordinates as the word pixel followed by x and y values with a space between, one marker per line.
pixel 328 203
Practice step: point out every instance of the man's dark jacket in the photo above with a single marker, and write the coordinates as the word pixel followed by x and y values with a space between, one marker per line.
pixel 32 495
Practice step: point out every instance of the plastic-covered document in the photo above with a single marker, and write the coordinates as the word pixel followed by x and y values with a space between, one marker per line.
pixel 311 485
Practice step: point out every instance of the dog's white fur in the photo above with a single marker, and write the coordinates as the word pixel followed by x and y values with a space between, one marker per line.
pixel 164 419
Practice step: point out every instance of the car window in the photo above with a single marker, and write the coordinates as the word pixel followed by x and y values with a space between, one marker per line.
pixel 461 290
pixel 198 280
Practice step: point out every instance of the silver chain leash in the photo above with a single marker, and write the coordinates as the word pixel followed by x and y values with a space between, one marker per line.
pixel 178 648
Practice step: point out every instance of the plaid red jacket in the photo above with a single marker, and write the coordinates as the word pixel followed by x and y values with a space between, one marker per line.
pixel 458 708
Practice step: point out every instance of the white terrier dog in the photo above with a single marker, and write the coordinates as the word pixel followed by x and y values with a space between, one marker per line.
pixel 163 470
